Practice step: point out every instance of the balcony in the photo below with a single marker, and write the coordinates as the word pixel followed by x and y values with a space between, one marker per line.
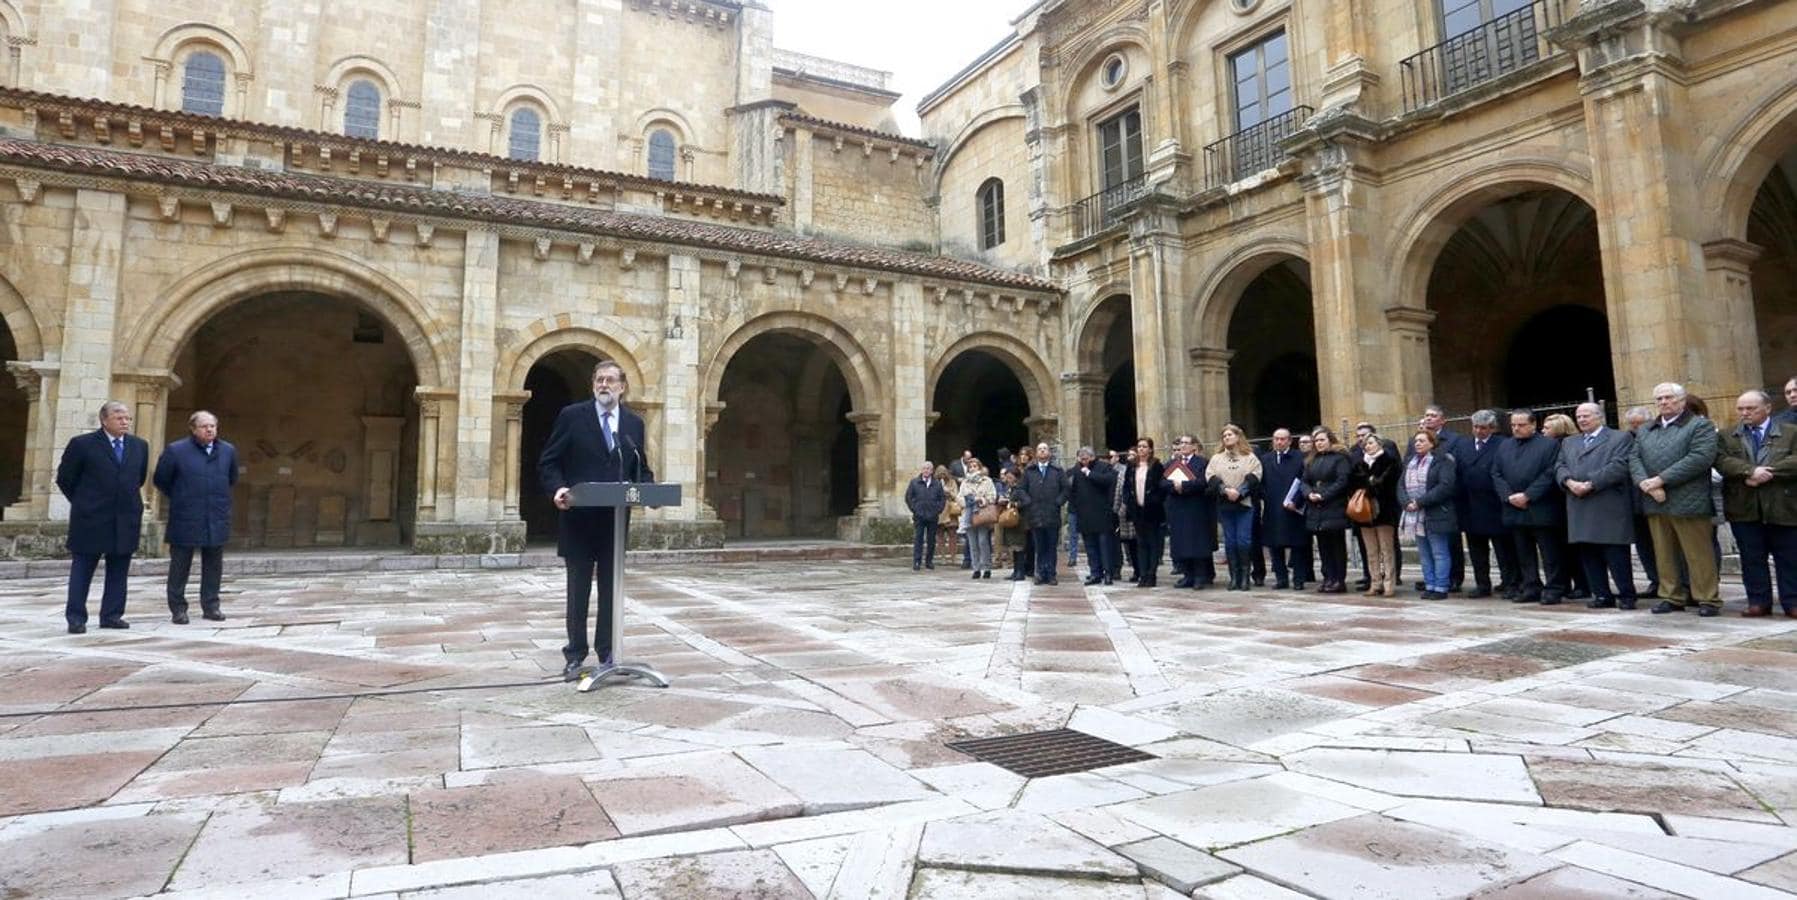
pixel 1105 208
pixel 1496 48
pixel 1252 149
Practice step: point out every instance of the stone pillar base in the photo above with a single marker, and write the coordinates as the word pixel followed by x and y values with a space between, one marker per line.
pixel 666 534
pixel 466 538
pixel 33 540
pixel 866 529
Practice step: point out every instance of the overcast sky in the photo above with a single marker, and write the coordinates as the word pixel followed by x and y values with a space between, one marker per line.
pixel 921 42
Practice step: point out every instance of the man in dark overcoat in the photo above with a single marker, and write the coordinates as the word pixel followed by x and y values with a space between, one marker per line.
pixel 597 439
pixel 1040 496
pixel 1482 512
pixel 1758 462
pixel 1191 516
pixel 197 474
pixel 1523 479
pixel 102 474
pixel 1282 527
pixel 1089 487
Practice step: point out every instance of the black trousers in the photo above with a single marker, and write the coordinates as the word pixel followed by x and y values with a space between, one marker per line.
pixel 923 542
pixel 1291 564
pixel 1120 549
pixel 1644 549
pixel 1602 564
pixel 581 572
pixel 1023 559
pixel 1150 542
pixel 1099 557
pixel 1045 541
pixel 1538 559
pixel 1257 559
pixel 1481 548
pixel 1767 550
pixel 212 571
pixel 81 577
pixel 1332 550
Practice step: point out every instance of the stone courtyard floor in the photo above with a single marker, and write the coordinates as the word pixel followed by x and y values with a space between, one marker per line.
pixel 398 735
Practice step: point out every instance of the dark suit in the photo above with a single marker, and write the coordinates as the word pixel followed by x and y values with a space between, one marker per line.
pixel 1040 496
pixel 1482 515
pixel 925 499
pixel 198 486
pixel 1282 529
pixel 1149 516
pixel 1527 468
pixel 1089 501
pixel 578 452
pixel 106 510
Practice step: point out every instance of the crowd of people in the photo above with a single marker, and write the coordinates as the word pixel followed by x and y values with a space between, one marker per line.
pixel 1558 502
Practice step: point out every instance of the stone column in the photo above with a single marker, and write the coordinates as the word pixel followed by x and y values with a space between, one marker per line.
pixel 867 455
pixel 678 452
pixel 801 145
pixel 708 510
pixel 38 381
pixel 147 392
pixel 508 410
pixel 1349 54
pixel 436 449
pixel 473 468
pixel 1157 256
pixel 1211 366
pixel 90 311
pixel 1410 332
pixel 908 391
pixel 1728 265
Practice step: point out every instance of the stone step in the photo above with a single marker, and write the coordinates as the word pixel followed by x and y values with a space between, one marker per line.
pixel 249 563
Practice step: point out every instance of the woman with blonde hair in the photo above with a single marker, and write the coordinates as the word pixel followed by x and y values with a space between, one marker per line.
pixel 979 495
pixel 1559 426
pixel 1233 476
pixel 1327 472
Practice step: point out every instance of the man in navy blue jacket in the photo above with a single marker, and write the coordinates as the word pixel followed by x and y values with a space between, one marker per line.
pixel 593 440
pixel 197 474
pixel 1533 506
pixel 102 474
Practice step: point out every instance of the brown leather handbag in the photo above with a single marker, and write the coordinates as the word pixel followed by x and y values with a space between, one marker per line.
pixel 1362 508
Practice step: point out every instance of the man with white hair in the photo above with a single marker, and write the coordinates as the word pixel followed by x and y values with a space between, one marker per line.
pixel 1671 466
pixel 1758 462
pixel 1594 471
pixel 102 474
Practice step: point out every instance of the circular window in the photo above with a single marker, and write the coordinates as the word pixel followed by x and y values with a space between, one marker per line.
pixel 1243 6
pixel 1114 70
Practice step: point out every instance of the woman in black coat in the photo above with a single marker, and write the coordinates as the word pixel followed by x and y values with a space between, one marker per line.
pixel 1377 472
pixel 1144 503
pixel 1326 477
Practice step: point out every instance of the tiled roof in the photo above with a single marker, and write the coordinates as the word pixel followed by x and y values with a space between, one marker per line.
pixel 828 125
pixel 43 100
pixel 490 208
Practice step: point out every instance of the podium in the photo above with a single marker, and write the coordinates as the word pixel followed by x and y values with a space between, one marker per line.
pixel 620 497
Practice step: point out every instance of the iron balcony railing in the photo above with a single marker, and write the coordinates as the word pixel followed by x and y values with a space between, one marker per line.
pixel 1104 209
pixel 1496 48
pixel 1252 149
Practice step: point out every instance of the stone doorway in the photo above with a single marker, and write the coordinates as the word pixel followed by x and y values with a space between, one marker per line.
pixel 983 407
pixel 1517 291
pixel 1107 356
pixel 14 414
pixel 556 380
pixel 1772 228
pixel 1273 370
pixel 317 395
pixel 783 458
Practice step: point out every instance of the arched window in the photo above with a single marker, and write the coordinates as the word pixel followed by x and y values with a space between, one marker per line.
pixel 362 110
pixel 992 213
pixel 203 84
pixel 526 142
pixel 661 154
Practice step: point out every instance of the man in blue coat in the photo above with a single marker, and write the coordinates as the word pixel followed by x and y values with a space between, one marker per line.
pixel 1482 511
pixel 1523 479
pixel 1282 526
pixel 102 474
pixel 197 474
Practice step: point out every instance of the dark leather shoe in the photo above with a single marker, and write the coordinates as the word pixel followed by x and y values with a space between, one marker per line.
pixel 114 623
pixel 1625 604
pixel 1095 579
pixel 1791 613
pixel 571 671
pixel 1186 583
pixel 1480 594
pixel 1525 598
pixel 1108 580
pixel 1667 606
pixel 1709 612
pixel 1362 584
pixel 1550 601
pixel 1282 585
pixel 1652 593
pixel 77 628
pixel 212 615
pixel 1297 585
pixel 1600 603
pixel 1578 595
pixel 1756 612
pixel 179 618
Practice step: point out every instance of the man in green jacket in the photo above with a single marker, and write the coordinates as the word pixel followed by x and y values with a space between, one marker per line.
pixel 1671 465
pixel 1758 463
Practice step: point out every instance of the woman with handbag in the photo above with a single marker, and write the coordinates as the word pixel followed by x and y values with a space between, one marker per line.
pixel 981 498
pixel 1011 533
pixel 1325 487
pixel 1373 506
pixel 1427 492
pixel 1232 476
pixel 949 523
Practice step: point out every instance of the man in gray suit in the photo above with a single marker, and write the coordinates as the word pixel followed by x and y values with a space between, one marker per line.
pixel 1600 524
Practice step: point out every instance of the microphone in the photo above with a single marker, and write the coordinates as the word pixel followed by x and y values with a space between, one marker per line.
pixel 636 473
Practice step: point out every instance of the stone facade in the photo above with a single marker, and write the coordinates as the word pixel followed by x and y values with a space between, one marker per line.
pixel 385 324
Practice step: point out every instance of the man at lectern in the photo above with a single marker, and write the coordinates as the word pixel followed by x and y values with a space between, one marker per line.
pixel 593 440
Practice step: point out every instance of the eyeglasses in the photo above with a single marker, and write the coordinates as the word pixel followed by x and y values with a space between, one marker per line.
pixel 607 379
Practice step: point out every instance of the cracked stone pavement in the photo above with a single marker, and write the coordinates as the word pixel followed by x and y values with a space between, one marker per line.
pixel 410 742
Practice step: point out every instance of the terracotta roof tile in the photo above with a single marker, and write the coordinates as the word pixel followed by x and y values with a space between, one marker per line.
pixel 491 208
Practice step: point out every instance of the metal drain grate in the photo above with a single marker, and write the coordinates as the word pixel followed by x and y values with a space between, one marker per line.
pixel 1042 753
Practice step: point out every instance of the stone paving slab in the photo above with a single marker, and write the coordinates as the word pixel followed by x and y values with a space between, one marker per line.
pixel 1307 741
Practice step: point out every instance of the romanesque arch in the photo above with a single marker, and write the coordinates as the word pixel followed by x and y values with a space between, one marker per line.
pixel 27 338
pixel 1751 188
pixel 986 391
pixel 594 334
pixel 1254 356
pixel 857 368
pixel 1104 352
pixel 1023 361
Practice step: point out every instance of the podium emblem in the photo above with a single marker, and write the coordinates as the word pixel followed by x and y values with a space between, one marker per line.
pixel 632 495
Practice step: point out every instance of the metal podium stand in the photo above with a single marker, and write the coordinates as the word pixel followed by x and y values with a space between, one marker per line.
pixel 620 497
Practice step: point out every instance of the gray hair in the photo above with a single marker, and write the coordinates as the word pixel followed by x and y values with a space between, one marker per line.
pixel 110 405
pixel 1484 418
pixel 1085 451
pixel 1669 387
pixel 1594 407
pixel 1637 414
pixel 1434 410
pixel 1764 397
pixel 194 419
